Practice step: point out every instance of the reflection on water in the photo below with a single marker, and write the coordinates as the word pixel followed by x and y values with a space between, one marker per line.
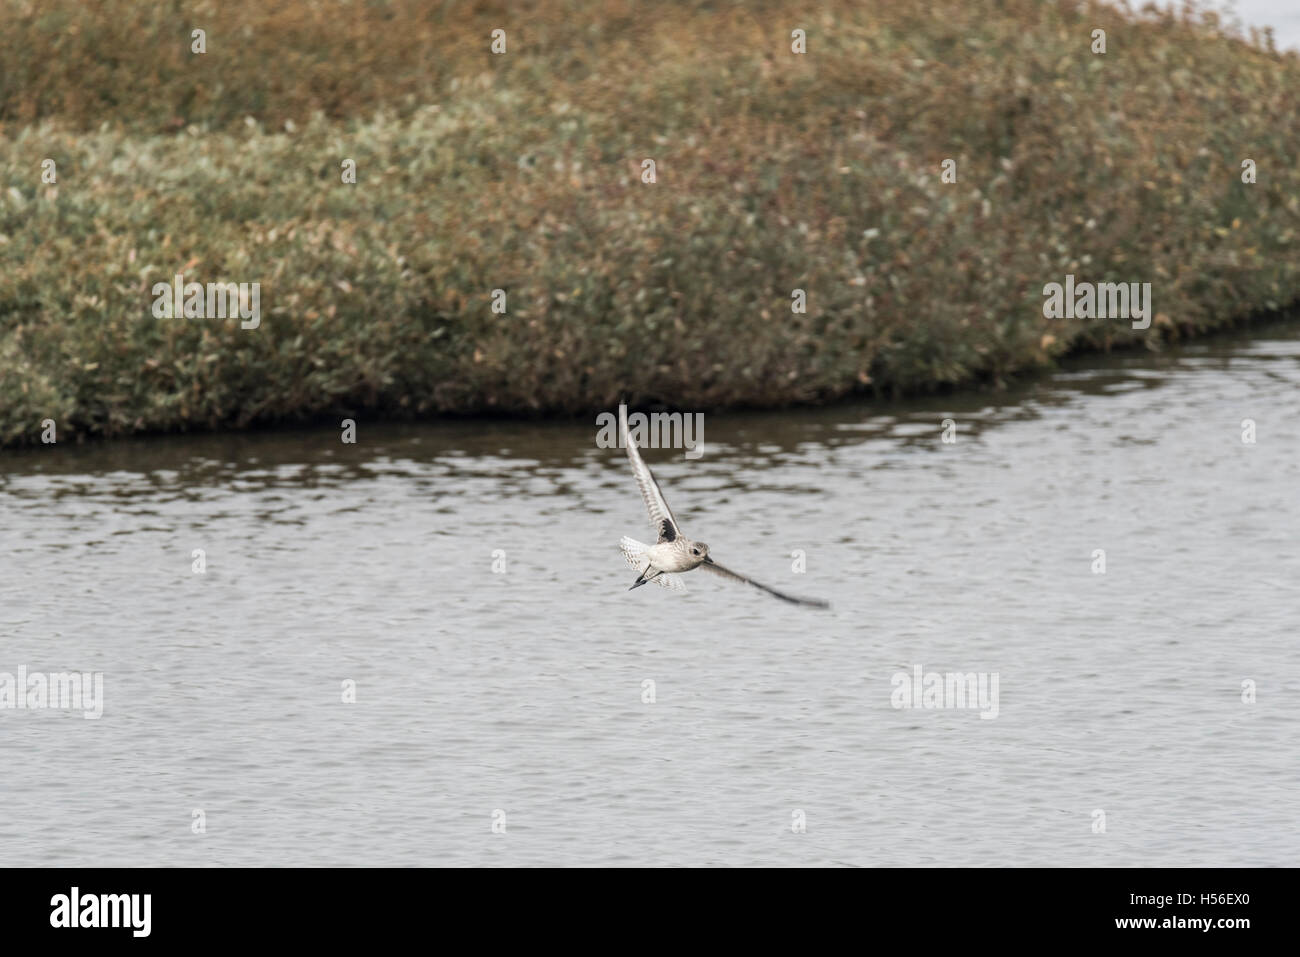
pixel 523 690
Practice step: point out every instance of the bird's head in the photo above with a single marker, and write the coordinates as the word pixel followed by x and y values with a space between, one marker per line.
pixel 700 551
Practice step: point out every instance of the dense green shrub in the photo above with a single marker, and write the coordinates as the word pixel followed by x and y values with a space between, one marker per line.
pixel 522 172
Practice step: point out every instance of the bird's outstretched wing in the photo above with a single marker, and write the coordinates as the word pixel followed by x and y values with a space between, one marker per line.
pixel 711 566
pixel 660 517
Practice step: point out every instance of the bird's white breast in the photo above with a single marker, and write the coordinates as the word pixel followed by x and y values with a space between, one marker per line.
pixel 670 557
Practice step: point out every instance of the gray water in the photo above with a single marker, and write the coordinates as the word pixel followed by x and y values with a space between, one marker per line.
pixel 522 691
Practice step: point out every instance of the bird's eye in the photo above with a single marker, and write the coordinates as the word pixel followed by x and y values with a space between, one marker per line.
pixel 695 551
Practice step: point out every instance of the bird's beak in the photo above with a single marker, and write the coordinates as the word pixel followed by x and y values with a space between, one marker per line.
pixel 708 560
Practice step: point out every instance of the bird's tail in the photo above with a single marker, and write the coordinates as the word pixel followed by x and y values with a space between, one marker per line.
pixel 633 551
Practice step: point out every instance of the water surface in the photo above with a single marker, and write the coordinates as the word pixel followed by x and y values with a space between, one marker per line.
pixel 522 690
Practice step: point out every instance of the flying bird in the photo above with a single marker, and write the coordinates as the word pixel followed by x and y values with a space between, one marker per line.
pixel 673 552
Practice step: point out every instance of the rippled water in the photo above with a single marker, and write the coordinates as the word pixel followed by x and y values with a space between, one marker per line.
pixel 523 691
